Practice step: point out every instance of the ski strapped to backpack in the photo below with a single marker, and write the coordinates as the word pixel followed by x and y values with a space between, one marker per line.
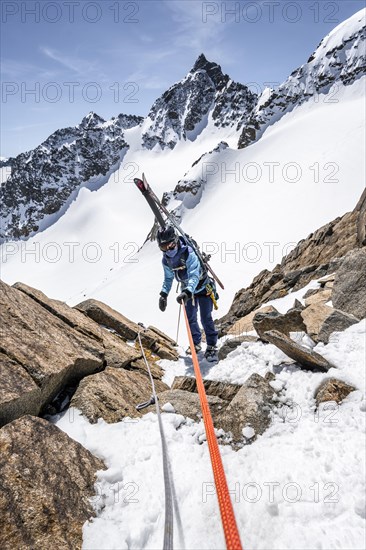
pixel 159 209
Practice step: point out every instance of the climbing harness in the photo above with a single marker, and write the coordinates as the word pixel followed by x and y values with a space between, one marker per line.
pixel 231 532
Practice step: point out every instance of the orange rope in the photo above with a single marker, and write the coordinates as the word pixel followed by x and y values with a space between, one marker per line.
pixel 231 532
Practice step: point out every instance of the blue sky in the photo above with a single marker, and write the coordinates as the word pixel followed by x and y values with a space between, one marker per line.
pixel 62 59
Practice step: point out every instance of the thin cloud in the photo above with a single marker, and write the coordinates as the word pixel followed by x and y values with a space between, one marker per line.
pixel 79 66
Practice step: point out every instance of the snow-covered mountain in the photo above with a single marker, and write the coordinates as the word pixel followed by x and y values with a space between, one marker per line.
pixel 206 103
pixel 183 111
pixel 44 181
pixel 339 59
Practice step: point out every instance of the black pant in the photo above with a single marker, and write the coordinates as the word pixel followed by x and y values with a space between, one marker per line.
pixel 205 304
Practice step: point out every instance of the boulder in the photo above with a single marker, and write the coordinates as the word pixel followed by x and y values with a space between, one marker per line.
pixel 113 394
pixel 349 291
pixel 289 322
pixel 332 389
pixel 323 281
pixel 50 352
pixel 104 315
pixel 19 394
pixel 232 343
pixel 314 317
pixel 117 352
pixel 361 222
pixel 304 357
pixel 321 296
pixel 249 408
pixel 224 390
pixel 337 321
pixel 188 404
pixel 47 479
pixel 245 324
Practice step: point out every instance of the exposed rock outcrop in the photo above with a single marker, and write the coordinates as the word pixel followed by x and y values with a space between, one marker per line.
pixel 349 291
pixel 49 351
pixel 47 479
pixel 291 321
pixel 332 389
pixel 113 394
pixel 212 387
pixel 188 404
pixel 250 408
pixel 47 348
pixel 156 341
pixel 304 357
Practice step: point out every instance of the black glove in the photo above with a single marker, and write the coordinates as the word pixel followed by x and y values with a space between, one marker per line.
pixel 184 296
pixel 163 301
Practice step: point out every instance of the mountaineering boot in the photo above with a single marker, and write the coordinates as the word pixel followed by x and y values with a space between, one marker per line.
pixel 197 347
pixel 211 354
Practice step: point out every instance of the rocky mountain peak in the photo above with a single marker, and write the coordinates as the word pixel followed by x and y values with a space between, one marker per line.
pixel 203 96
pixel 212 69
pixel 91 120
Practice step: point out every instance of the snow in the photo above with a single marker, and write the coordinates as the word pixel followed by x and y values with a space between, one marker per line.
pixel 341 33
pixel 303 480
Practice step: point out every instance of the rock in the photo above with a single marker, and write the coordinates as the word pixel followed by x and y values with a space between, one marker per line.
pixel 224 390
pixel 320 297
pixel 52 353
pixel 327 279
pixel 232 343
pixel 298 305
pixel 332 389
pixel 337 321
pixel 361 222
pixel 188 404
pixel 245 324
pixel 47 479
pixel 304 357
pixel 249 408
pixel 349 291
pixel 117 352
pixel 113 394
pixel 112 319
pixel 162 335
pixel 314 317
pixel 19 394
pixel 289 322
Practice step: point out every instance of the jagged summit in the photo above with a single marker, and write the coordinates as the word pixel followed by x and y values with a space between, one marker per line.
pixel 184 110
pixel 212 69
pixel 91 119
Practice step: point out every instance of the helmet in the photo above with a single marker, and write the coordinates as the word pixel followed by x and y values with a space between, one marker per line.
pixel 166 236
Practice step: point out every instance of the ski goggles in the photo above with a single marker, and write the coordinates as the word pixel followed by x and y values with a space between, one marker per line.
pixel 168 246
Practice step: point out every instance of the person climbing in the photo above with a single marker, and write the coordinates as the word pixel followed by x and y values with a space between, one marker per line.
pixel 181 262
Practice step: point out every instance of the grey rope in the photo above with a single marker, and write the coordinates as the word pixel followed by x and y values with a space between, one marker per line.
pixel 169 489
pixel 180 309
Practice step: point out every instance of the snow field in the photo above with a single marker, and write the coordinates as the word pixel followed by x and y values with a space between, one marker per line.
pixel 303 480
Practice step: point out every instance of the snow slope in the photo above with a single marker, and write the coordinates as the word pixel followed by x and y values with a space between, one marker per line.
pixel 92 251
pixel 300 485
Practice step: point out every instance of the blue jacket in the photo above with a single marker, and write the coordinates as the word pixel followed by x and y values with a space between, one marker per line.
pixel 186 268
